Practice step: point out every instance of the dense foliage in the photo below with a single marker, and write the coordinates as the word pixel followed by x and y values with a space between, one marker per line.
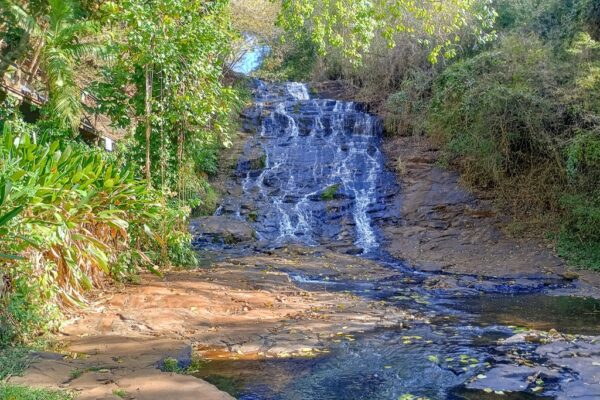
pixel 519 116
pixel 167 77
pixel 59 40
pixel 524 118
pixel 352 25
pixel 73 216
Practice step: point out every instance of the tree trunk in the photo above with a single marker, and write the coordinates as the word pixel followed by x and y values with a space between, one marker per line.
pixel 180 142
pixel 148 103
pixel 35 62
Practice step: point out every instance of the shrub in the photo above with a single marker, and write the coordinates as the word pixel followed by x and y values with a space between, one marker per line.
pixel 82 218
pixel 524 121
pixel 15 392
pixel 406 110
pixel 497 114
pixel 290 59
pixel 579 239
pixel 330 192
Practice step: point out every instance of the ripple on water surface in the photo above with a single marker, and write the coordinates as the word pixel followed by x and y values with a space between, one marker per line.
pixel 566 314
pixel 424 361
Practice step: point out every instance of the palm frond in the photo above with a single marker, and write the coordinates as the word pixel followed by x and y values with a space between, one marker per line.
pixel 25 21
pixel 79 30
pixel 82 50
pixel 61 13
pixel 65 96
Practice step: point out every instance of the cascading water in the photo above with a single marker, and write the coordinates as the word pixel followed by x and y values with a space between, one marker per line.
pixel 320 175
pixel 312 172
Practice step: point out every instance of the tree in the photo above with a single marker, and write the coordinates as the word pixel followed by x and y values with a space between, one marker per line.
pixel 351 25
pixel 60 39
pixel 170 59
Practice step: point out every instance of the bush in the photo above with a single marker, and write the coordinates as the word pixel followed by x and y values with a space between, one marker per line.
pixel 80 218
pixel 497 114
pixel 290 59
pixel 13 361
pixel 579 238
pixel 406 110
pixel 519 117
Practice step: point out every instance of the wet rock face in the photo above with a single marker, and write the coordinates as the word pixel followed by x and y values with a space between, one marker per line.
pixel 221 230
pixel 583 358
pixel 313 172
pixel 567 367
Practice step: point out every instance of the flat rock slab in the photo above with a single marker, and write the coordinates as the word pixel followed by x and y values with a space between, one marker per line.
pixel 511 378
pixel 442 223
pixel 583 358
pixel 251 304
pixel 570 370
pixel 144 385
pixel 126 374
pixel 242 307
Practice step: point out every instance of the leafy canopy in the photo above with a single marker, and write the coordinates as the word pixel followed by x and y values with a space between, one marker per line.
pixel 63 39
pixel 183 45
pixel 351 25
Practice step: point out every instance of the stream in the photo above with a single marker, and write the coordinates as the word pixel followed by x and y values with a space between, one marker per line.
pixel 313 173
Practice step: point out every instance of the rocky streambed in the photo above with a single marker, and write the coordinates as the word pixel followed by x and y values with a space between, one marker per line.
pixel 306 322
pixel 486 316
pixel 327 275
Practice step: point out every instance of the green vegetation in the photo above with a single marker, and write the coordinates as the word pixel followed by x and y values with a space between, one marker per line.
pixel 72 215
pixel 517 115
pixel 291 58
pixel 15 392
pixel 252 216
pixel 82 217
pixel 120 393
pixel 57 48
pixel 330 192
pixel 170 54
pixel 13 361
pixel 521 118
pixel 327 23
pixel 171 365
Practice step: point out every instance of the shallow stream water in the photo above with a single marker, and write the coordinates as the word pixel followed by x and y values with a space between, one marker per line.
pixel 314 173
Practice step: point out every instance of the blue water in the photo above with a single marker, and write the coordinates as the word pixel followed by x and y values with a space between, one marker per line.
pixel 322 177
pixel 252 57
pixel 313 173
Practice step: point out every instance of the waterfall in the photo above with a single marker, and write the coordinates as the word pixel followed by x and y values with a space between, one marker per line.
pixel 322 174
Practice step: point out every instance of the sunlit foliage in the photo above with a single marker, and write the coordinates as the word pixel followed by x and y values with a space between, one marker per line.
pixel 353 25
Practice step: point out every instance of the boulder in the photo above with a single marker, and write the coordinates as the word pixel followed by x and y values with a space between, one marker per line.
pixel 253 159
pixel 222 229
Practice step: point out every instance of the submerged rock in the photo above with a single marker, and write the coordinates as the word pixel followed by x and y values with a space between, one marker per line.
pixel 513 378
pixel 580 357
pixel 567 367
